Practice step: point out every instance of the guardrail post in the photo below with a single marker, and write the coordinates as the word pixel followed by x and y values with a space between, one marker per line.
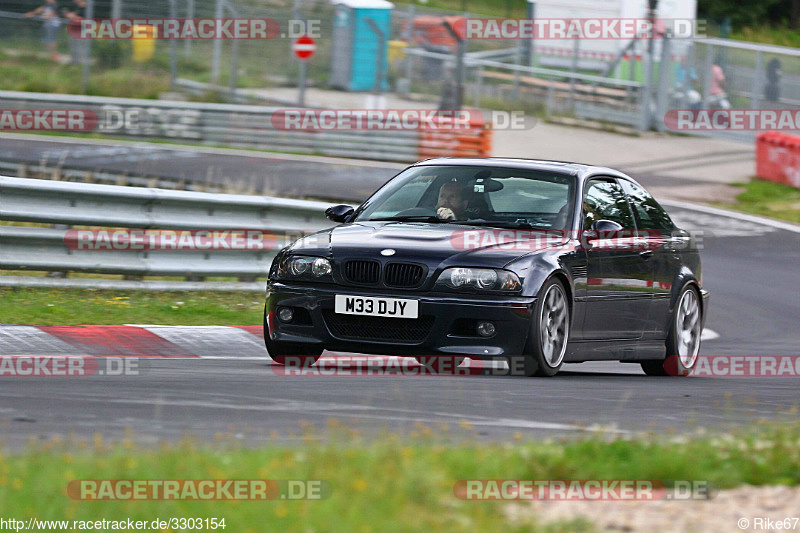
pixel 60 274
pixel 381 52
pixel 87 57
pixel 234 72
pixel 664 82
pixel 528 49
pixel 478 87
pixel 187 44
pixel 707 73
pixel 459 74
pixel 216 53
pixel 755 99
pixel 517 59
pixel 173 49
pixel 573 69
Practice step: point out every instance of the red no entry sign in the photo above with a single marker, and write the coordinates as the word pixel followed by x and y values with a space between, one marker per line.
pixel 304 47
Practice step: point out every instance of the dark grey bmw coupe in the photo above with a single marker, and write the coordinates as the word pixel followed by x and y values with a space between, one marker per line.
pixel 539 262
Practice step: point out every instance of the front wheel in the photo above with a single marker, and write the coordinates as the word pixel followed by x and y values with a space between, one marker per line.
pixel 683 340
pixel 549 333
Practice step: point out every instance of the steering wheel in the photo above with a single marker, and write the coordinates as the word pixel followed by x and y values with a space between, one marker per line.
pixel 560 221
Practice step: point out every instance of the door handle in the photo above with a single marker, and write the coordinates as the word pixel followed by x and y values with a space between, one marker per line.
pixel 646 254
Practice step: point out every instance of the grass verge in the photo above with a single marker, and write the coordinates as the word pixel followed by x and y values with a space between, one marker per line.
pixel 768 199
pixel 30 73
pixel 778 35
pixel 388 484
pixel 51 307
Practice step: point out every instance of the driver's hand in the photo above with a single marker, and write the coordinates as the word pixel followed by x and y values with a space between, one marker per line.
pixel 445 213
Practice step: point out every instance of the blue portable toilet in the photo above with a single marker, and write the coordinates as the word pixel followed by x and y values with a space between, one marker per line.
pixel 357 50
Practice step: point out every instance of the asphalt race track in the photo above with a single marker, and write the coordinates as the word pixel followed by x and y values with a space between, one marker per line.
pixel 291 176
pixel 750 269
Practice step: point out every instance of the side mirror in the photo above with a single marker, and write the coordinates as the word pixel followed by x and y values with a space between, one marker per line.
pixel 606 226
pixel 601 229
pixel 339 213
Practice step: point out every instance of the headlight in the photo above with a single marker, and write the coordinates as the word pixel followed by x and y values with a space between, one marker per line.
pixel 321 267
pixel 304 267
pixel 484 279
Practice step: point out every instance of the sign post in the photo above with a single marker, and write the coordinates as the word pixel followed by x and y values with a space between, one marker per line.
pixel 304 48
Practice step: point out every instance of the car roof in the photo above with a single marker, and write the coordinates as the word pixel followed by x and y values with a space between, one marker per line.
pixel 580 170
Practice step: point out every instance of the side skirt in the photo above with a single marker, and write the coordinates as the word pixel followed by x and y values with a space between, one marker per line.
pixel 625 351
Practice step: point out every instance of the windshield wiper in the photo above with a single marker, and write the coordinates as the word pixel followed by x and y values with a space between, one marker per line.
pixel 410 218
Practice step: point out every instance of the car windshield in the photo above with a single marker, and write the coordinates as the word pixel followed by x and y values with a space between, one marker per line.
pixel 474 195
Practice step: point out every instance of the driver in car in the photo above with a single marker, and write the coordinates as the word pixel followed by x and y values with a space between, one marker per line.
pixel 452 202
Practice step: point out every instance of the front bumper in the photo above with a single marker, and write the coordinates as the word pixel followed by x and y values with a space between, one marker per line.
pixel 439 330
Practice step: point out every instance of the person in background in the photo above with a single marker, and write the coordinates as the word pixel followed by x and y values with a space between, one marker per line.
pixel 685 81
pixel 49 14
pixel 716 93
pixel 77 47
pixel 717 79
pixel 772 90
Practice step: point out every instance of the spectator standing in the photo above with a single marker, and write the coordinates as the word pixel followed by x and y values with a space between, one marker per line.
pixel 49 15
pixel 77 47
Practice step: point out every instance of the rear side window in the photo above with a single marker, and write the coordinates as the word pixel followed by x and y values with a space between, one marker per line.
pixel 649 214
pixel 605 200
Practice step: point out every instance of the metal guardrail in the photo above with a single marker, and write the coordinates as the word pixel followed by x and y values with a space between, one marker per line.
pixel 57 172
pixel 238 126
pixel 78 204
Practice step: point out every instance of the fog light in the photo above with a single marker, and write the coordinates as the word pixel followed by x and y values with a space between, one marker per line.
pixel 485 329
pixel 285 314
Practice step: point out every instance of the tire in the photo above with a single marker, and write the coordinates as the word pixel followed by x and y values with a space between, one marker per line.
pixel 294 353
pixel 548 337
pixel 683 339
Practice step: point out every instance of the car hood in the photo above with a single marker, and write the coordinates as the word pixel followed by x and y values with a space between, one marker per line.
pixel 432 244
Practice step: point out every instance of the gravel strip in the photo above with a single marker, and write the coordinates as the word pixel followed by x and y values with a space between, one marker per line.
pixel 723 513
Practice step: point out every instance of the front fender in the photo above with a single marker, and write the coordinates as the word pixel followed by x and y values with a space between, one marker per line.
pixel 536 269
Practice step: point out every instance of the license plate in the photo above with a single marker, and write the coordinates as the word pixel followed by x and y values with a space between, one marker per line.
pixel 372 306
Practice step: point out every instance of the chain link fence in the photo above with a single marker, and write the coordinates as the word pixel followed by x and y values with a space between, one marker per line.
pixel 216 67
pixel 629 83
pixel 722 74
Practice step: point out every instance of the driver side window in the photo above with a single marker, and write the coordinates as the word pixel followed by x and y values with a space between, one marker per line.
pixel 605 200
